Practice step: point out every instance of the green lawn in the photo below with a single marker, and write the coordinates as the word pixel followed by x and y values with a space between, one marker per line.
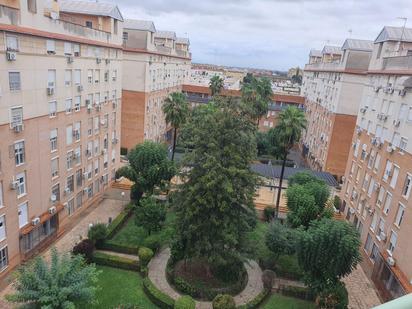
pixel 277 301
pixel 119 286
pixel 134 235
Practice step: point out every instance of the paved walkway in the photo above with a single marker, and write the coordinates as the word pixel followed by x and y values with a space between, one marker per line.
pixel 99 213
pixel 123 255
pixel 157 274
pixel 362 293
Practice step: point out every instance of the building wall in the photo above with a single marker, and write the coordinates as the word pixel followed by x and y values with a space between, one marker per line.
pixel 133 120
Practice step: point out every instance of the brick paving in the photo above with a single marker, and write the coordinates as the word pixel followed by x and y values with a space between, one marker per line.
pixel 362 293
pixel 77 229
pixel 157 274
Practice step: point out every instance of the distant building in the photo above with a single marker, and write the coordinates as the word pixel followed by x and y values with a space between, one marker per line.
pixel 332 85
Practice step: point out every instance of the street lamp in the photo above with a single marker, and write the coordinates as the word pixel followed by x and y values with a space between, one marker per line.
pixel 123 195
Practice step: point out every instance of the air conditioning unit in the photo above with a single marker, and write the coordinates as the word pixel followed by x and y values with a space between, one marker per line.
pixel 351 210
pixel 53 198
pixel 384 117
pixel 89 107
pixel 11 56
pixel 85 174
pixel 363 110
pixel 85 190
pixel 115 140
pixel 103 122
pixel 35 221
pixel 67 190
pixel 382 236
pixel 376 186
pixel 396 122
pixel 373 141
pixel 50 90
pixel 376 88
pixel 402 92
pixel 98 60
pixel 107 61
pixel 371 211
pixel 70 59
pixel 391 261
pixel 390 90
pixel 14 184
pixel 79 88
pixel 17 128
pixel 52 210
pixel 390 149
pixel 88 152
pixel 114 104
pixel 358 131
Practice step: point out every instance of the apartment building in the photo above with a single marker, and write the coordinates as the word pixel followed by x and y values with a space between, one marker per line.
pixel 60 95
pixel 377 190
pixel 155 64
pixel 332 85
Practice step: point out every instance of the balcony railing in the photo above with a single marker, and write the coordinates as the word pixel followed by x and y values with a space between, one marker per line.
pixel 397 63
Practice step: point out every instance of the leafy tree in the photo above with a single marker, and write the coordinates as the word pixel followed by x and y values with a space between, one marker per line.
pixel 280 239
pixel 248 78
pixel 150 214
pixel 288 131
pixel 215 207
pixel 297 77
pixel 327 251
pixel 97 233
pixel 216 85
pixel 145 255
pixel 61 283
pixel 85 248
pixel 257 94
pixel 302 178
pixel 149 167
pixel 224 301
pixel 263 144
pixel 176 110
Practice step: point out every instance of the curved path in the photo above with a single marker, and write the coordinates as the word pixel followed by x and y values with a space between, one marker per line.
pixel 157 274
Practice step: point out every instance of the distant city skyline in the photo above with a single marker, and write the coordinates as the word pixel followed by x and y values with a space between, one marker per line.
pixel 267 34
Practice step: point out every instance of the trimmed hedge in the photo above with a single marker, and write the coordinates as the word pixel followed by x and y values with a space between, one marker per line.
pixel 156 296
pixel 185 302
pixel 297 292
pixel 116 247
pixel 257 301
pixel 118 222
pixel 101 258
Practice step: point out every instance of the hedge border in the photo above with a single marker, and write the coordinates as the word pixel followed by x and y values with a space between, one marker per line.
pixel 116 247
pixel 101 258
pixel 297 292
pixel 118 222
pixel 257 301
pixel 159 298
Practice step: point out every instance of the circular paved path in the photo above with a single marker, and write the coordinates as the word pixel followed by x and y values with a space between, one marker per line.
pixel 157 274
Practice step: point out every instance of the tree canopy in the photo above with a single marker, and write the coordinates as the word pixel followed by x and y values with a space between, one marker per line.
pixel 280 239
pixel 150 214
pixel 215 207
pixel 216 85
pixel 257 94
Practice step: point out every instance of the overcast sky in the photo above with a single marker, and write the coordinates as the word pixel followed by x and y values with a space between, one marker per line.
pixel 272 34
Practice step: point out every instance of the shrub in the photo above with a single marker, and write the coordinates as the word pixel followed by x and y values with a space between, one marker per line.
pixel 267 278
pixel 118 222
pixel 185 302
pixel 224 301
pixel 255 302
pixel 185 287
pixel 145 255
pixel 153 242
pixel 84 248
pixel 280 239
pixel 335 297
pixel 115 261
pixel 97 233
pixel 269 213
pixel 156 296
pixel 116 247
pixel 337 202
pixel 150 214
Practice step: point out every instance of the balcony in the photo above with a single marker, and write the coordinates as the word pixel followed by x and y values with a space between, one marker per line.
pixel 397 63
pixel 324 66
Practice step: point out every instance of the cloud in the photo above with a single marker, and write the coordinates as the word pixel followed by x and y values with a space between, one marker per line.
pixel 275 34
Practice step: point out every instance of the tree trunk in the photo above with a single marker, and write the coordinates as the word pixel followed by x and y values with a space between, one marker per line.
pixel 280 185
pixel 174 144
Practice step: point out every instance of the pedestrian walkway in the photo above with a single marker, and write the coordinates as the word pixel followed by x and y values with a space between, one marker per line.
pixel 75 231
pixel 157 274
pixel 362 293
pixel 122 255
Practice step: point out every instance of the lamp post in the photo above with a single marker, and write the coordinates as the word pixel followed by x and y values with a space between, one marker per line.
pixel 123 195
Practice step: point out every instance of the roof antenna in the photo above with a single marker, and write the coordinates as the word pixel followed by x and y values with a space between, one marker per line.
pixel 405 19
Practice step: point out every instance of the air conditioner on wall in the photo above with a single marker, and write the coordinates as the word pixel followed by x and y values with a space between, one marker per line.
pixel 53 198
pixel 52 210
pixel 35 221
pixel 11 56
pixel 391 261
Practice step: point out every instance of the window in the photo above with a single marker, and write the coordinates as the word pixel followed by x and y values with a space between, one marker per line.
pixel 96 76
pixel 89 150
pixel 76 49
pixel 399 215
pixel 12 43
pixel 70 207
pixel 51 78
pixel 55 167
pixel 90 76
pixel 97 186
pixel 96 147
pixel 77 77
pixel 55 191
pixel 77 102
pixel 68 49
pixel 79 178
pixel 69 160
pixel 79 199
pixel 371 158
pixel 114 75
pixel 371 187
pixel 69 135
pixel 368 243
pixel 374 253
pixel 114 94
pixel 52 109
pixel 69 106
pixel 16 115
pixel 395 174
pixel 14 81
pixel 89 126
pixel 23 215
pixel 379 201
pixel 19 153
pixel 352 169
pixel 388 171
pixel 70 184
pixel 1 195
pixel 392 242
pixel 50 46
pixel 53 140
pixel 125 36
pixel 403 143
pixel 374 221
pixel 68 78
pixel 4 258
pixel 381 227
pixel 31 6
pixel 396 139
pixel 358 174
pixel 96 167
pixel 89 24
pixel 77 155
pixel 403 111
pixel 96 124
pixel 377 163
pixel 365 181
pixel 2 227
pixel 388 202
pixel 77 131
pixel 355 152
pixel 407 186
pixel 89 171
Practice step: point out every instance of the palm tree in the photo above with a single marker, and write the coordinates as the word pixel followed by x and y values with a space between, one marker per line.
pixel 216 85
pixel 176 110
pixel 288 131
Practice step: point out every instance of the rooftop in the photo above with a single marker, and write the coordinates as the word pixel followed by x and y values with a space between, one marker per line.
pixel 329 49
pixel 166 35
pixel 182 41
pixel 91 8
pixel 273 171
pixel 315 53
pixel 143 25
pixel 394 34
pixel 354 44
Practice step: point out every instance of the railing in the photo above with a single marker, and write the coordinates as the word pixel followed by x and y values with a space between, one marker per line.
pixel 324 66
pixel 397 63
